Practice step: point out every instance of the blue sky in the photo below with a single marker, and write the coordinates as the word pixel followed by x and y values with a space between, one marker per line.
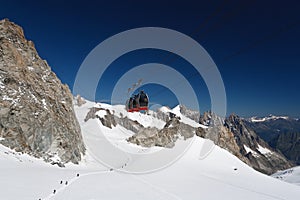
pixel 255 45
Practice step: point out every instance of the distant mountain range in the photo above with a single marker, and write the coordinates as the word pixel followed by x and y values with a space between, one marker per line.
pixel 268 118
pixel 281 133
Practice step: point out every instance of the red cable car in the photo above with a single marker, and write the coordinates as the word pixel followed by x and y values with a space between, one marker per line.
pixel 138 102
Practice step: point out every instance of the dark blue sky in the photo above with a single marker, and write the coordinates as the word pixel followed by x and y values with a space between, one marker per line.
pixel 254 44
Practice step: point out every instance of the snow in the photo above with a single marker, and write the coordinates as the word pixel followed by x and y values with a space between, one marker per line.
pixel 146 120
pixel 270 117
pixel 183 119
pixel 165 109
pixel 44 104
pixel 143 119
pixel 34 98
pixel 220 175
pixel 31 68
pixel 2 86
pixel 12 100
pixel 290 175
pixel 263 150
pixel 248 150
pixel 6 98
pixel 101 113
pixel 56 158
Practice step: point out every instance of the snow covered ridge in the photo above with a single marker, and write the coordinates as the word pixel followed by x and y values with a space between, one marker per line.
pixel 158 129
pixel 25 177
pixel 162 128
pixel 177 110
pixel 270 117
pixel 188 178
pixel 152 119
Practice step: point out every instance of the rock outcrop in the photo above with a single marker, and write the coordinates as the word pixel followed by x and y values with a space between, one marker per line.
pixel 220 134
pixel 281 133
pixel 165 137
pixel 192 114
pixel 289 145
pixel 147 136
pixel 79 101
pixel 235 136
pixel 36 109
pixel 260 155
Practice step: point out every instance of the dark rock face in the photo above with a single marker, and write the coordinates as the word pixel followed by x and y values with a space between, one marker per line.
pixel 243 135
pixel 108 119
pixel 206 118
pixel 261 156
pixel 281 134
pixel 221 135
pixel 36 109
pixel 234 135
pixel 289 145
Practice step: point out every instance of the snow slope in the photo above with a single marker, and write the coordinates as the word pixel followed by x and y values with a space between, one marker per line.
pixel 219 176
pixel 145 120
pixel 183 118
pixel 290 175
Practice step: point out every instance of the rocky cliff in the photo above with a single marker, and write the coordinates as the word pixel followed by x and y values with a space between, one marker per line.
pixel 281 133
pixel 234 135
pixel 289 145
pixel 36 109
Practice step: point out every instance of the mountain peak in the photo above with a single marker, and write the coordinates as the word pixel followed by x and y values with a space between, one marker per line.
pixel 234 118
pixel 10 28
pixel 36 109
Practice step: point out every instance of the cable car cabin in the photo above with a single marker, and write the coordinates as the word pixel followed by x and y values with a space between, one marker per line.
pixel 129 104
pixel 143 100
pixel 135 104
pixel 138 102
